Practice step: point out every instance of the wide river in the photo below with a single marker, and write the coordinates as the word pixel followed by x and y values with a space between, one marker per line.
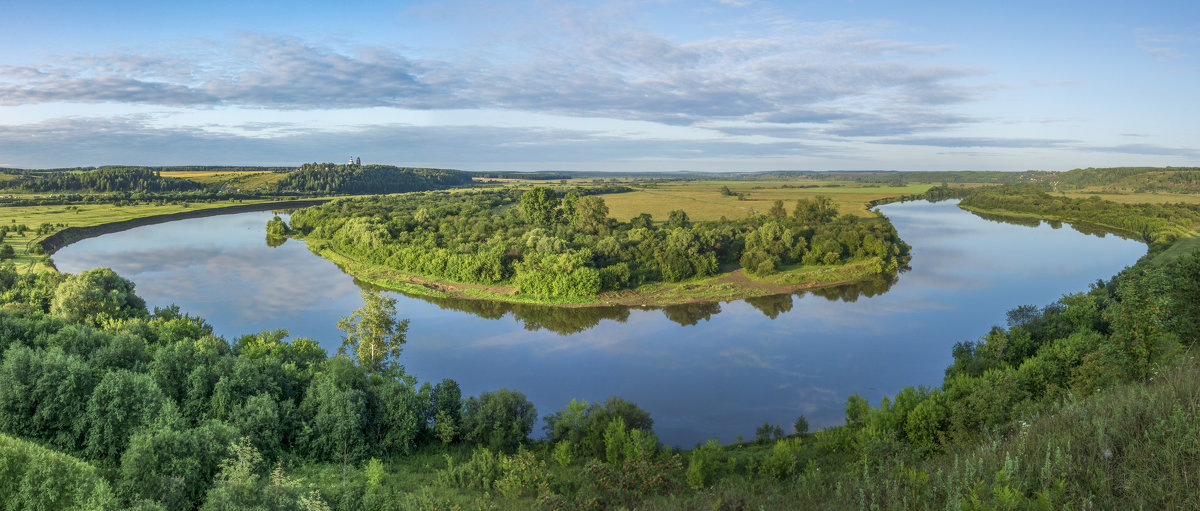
pixel 701 370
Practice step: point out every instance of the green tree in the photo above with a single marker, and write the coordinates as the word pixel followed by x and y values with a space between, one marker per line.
pixel 591 214
pixel 95 293
pixel 174 467
pixel 6 251
pixel 678 218
pixel 819 209
pixel 339 418
pixel 801 425
pixel 34 477
pixel 500 420
pixel 373 336
pixel 540 206
pixel 777 210
pixel 120 405
pixel 276 227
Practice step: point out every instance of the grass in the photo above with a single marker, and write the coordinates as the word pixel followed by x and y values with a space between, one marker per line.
pixel 703 200
pixel 245 180
pixel 82 215
pixel 1134 197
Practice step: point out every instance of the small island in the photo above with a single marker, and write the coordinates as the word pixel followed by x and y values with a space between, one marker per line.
pixel 535 246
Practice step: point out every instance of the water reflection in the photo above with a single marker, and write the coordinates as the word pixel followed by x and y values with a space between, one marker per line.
pixel 573 320
pixel 560 320
pixel 1083 227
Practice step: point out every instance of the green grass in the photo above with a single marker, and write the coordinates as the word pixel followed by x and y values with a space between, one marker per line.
pixel 702 200
pixel 244 180
pixel 83 215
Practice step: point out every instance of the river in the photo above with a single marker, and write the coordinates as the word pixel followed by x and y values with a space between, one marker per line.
pixel 709 370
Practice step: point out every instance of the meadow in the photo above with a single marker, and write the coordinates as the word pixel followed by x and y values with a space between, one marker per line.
pixel 705 200
pixel 244 180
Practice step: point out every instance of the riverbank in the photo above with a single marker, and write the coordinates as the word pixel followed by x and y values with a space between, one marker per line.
pixel 733 284
pixel 48 228
pixel 53 242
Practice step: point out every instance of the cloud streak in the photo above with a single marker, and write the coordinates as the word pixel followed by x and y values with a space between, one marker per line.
pixel 137 140
pixel 825 74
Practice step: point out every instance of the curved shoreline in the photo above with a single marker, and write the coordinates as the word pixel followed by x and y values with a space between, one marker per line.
pixel 69 235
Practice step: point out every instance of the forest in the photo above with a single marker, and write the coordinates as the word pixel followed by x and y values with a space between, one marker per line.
pixel 329 178
pixel 551 246
pixel 103 180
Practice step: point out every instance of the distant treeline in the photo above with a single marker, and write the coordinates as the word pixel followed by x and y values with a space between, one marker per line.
pixel 146 183
pixel 933 194
pixel 103 180
pixel 365 179
pixel 541 176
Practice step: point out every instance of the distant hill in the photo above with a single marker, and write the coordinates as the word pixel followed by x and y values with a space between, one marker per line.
pixel 103 179
pixel 1130 179
pixel 365 179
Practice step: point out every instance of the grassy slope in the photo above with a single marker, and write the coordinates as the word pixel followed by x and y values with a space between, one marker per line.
pixel 84 215
pixel 245 180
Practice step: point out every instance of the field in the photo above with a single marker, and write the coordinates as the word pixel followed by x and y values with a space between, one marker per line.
pixel 84 215
pixel 1134 197
pixel 703 200
pixel 246 180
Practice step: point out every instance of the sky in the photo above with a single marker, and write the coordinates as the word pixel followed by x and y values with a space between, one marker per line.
pixel 718 85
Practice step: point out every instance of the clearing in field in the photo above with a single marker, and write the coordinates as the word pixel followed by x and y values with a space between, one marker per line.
pixel 245 180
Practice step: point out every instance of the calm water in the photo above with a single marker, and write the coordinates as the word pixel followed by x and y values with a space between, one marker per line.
pixel 700 370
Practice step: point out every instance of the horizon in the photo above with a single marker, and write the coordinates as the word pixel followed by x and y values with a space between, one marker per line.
pixel 672 86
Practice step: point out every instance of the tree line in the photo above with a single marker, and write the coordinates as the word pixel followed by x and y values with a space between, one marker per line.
pixel 332 178
pixel 1158 224
pixel 104 180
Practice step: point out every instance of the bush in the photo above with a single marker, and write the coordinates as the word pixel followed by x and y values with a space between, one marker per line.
pixel 33 477
pixel 500 420
pixel 705 464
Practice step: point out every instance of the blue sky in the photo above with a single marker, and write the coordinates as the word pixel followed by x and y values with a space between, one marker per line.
pixel 721 85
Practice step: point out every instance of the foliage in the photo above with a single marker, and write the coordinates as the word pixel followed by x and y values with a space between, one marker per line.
pixel 1158 224
pixel 546 246
pixel 240 485
pixel 373 336
pixel 501 419
pixel 361 179
pixel 95 295
pixel 105 179
pixel 633 479
pixel 276 227
pixel 34 477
